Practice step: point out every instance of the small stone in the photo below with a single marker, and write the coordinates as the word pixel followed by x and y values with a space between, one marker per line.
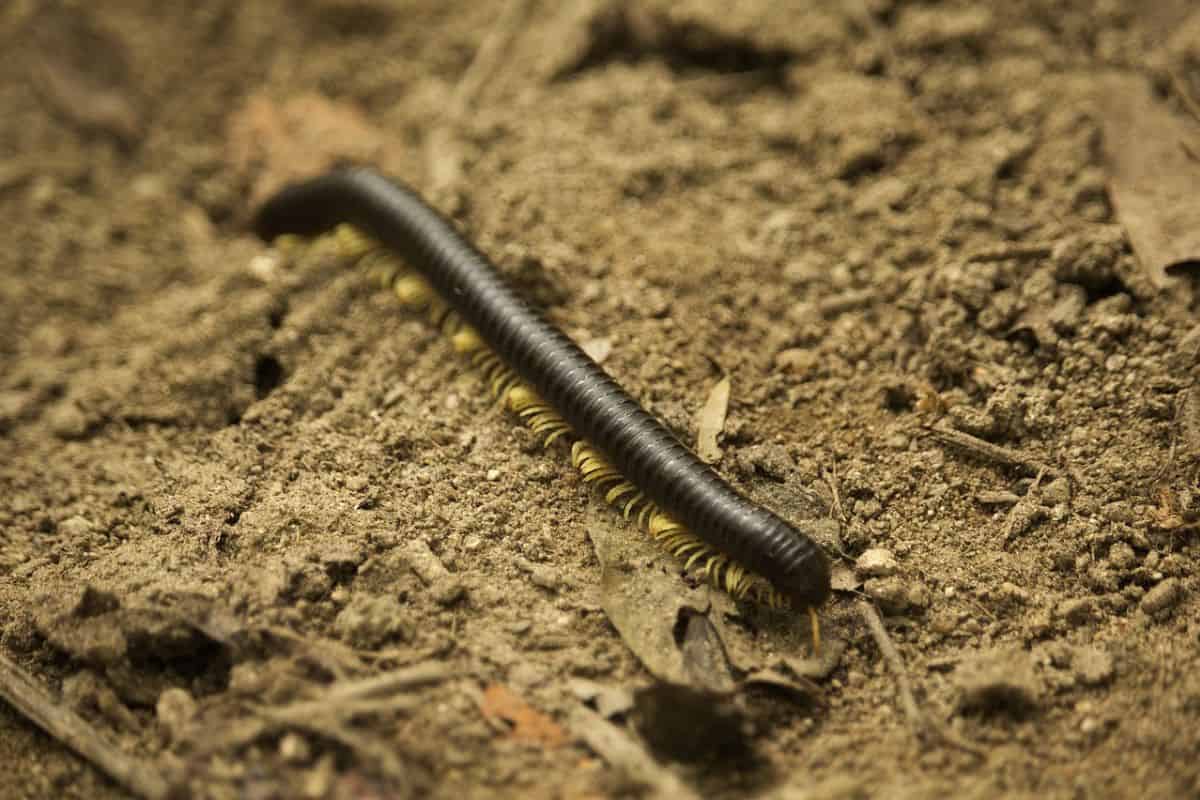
pixel 76 528
pixel 1009 594
pixel 175 710
pixel 1077 611
pixel 918 596
pixel 1056 492
pixel 999 680
pixel 368 621
pixel 307 581
pixel 447 590
pixel 424 562
pixel 890 593
pixel 541 575
pixel 876 563
pixel 67 421
pixel 798 361
pixel 1121 556
pixel 1039 622
pixel 493 474
pixel 294 749
pixel 944 622
pixel 1089 259
pixel 319 781
pixel 1162 597
pixel 975 421
pixel 1093 666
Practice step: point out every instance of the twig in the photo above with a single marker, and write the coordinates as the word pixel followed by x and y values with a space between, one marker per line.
pixel 832 481
pixel 1185 95
pixel 1026 512
pixel 443 153
pixel 619 749
pixel 989 451
pixel 923 725
pixel 1009 251
pixel 63 724
pixel 367 695
pixel 891 655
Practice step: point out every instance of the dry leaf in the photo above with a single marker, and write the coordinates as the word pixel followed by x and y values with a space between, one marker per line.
pixel 528 724
pixel 1152 178
pixel 273 143
pixel 711 421
pixel 643 603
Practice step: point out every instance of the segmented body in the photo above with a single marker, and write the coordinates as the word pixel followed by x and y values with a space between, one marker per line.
pixel 547 379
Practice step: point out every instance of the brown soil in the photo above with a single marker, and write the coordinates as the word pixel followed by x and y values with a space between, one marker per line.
pixel 230 478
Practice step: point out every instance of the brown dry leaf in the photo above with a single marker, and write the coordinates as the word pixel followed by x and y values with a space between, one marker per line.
pixel 529 724
pixel 1152 178
pixel 711 421
pixel 273 143
pixel 642 598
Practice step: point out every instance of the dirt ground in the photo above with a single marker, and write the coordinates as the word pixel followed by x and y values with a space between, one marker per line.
pixel 236 482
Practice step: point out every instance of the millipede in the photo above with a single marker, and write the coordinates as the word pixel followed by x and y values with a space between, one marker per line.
pixel 541 375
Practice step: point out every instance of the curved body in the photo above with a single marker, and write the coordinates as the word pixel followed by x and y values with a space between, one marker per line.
pixel 595 406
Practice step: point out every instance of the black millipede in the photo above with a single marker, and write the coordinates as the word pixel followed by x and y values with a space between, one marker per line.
pixel 543 376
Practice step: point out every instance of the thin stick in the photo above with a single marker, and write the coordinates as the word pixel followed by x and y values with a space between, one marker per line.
pixel 1010 251
pixel 365 695
pixel 620 749
pixel 61 723
pixel 989 451
pixel 1185 96
pixel 922 724
pixel 443 153
pixel 908 701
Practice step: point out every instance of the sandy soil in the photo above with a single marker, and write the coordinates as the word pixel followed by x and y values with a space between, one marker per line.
pixel 234 480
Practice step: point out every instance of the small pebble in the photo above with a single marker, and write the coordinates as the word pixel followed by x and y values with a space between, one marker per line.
pixel 1077 611
pixel 891 593
pixel 368 621
pixel 447 590
pixel 424 562
pixel 876 563
pixel 67 421
pixel 998 680
pixel 1093 666
pixel 175 709
pixel 1056 491
pixel 493 474
pixel 1162 597
pixel 1121 556
pixel 76 528
pixel 294 749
